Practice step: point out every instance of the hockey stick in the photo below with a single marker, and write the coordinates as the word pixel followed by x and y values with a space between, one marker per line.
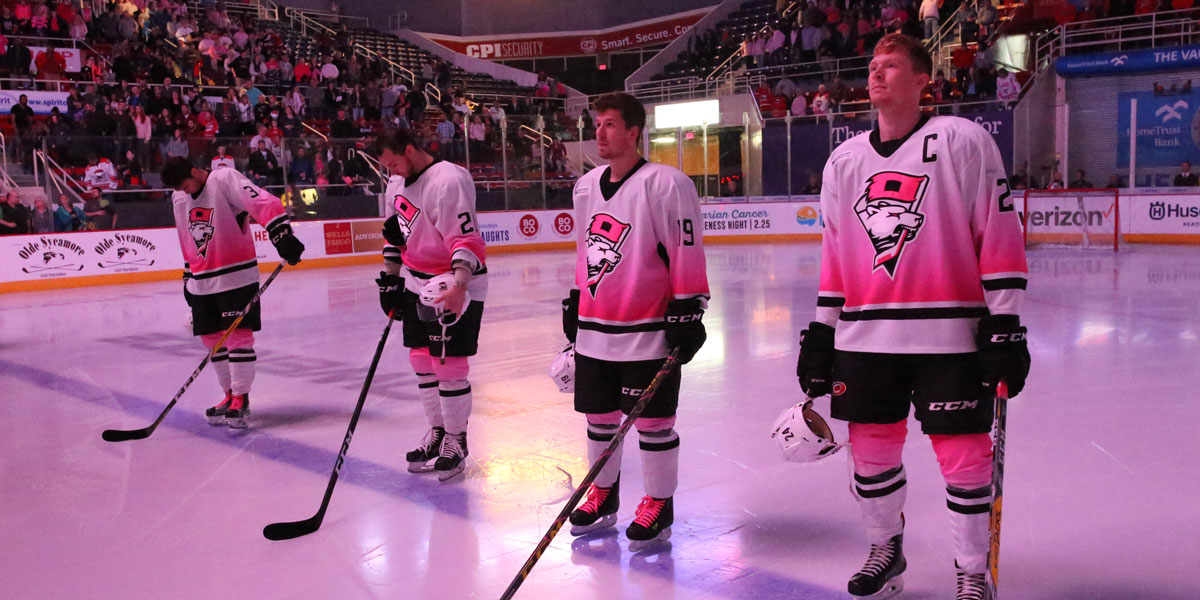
pixel 638 408
pixel 993 570
pixel 295 529
pixel 121 435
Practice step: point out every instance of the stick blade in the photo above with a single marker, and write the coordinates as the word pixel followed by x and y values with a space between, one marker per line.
pixel 287 531
pixel 122 435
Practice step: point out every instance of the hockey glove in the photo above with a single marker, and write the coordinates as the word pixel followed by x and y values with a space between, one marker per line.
pixel 570 315
pixel 815 367
pixel 187 296
pixel 286 243
pixel 391 290
pixel 392 233
pixel 1003 353
pixel 684 329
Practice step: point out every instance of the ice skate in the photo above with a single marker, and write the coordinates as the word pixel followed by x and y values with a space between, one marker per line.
pixel 419 460
pixel 598 511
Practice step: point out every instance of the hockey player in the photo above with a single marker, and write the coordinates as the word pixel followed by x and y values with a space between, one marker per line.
pixel 435 256
pixel 922 277
pixel 641 289
pixel 220 271
pixel 221 159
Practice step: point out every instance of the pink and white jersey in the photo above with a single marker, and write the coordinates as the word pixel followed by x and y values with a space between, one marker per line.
pixel 222 161
pixel 436 212
pixel 640 246
pixel 101 176
pixel 214 230
pixel 921 240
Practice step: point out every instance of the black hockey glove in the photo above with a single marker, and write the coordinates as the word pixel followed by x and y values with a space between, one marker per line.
pixel 1003 353
pixel 570 316
pixel 391 289
pixel 286 243
pixel 392 233
pixel 684 329
pixel 815 367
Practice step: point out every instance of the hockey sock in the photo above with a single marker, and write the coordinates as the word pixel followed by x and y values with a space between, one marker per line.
pixel 660 456
pixel 966 462
pixel 241 361
pixel 601 429
pixel 879 480
pixel 455 392
pixel 427 386
pixel 220 363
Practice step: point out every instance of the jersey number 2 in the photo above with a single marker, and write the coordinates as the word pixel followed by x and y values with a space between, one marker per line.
pixel 1006 204
pixel 466 223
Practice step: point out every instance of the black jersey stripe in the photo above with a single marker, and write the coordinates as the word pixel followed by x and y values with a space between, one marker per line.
pixel 830 301
pixel 227 270
pixel 638 328
pixel 1007 283
pixel 910 314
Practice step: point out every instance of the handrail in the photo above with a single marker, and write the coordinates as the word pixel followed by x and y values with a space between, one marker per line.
pixel 432 90
pixel 59 179
pixel 314 130
pixel 1112 31
pixel 306 21
pixel 311 14
pixel 546 141
pixel 5 178
pixel 718 71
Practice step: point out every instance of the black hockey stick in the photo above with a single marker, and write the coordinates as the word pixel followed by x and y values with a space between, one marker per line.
pixel 647 394
pixel 993 570
pixel 295 529
pixel 121 435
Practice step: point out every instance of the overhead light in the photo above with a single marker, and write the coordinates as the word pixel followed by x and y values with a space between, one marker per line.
pixel 666 139
pixel 687 114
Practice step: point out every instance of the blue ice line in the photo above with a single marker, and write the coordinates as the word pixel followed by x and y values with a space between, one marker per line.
pixel 450 499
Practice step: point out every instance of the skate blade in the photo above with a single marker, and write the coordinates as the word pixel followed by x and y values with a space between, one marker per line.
pixel 420 467
pixel 447 475
pixel 239 422
pixel 639 545
pixel 215 420
pixel 601 523
pixel 890 589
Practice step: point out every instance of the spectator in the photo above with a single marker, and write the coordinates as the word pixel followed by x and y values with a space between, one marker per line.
pixel 445 135
pixel 988 19
pixel 1114 182
pixel 820 101
pixel 42 217
pixel 22 115
pixel 222 160
pixel 302 171
pixel 1056 181
pixel 178 146
pixel 1186 178
pixel 342 128
pixel 929 15
pixel 1007 87
pixel 67 216
pixel 496 112
pixel 19 57
pixel 263 165
pixel 101 213
pixel 476 135
pixel 799 106
pixel 1081 181
pixel 785 87
pixel 14 216
pixel 813 187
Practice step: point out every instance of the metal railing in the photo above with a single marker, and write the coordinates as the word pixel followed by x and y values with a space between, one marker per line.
pixel 1165 28
pixel 303 21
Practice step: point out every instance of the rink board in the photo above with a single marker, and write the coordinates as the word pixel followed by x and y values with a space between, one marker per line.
pixel 51 261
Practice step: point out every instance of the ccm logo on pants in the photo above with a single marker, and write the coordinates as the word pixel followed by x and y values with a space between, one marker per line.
pixel 961 405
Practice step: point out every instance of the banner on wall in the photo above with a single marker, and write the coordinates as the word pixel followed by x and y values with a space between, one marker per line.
pixel 575 44
pixel 1168 129
pixel 1135 61
pixel 1167 214
pixel 42 103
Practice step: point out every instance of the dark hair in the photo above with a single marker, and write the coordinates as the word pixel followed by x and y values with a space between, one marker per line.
pixel 632 111
pixel 175 171
pixel 396 140
pixel 916 52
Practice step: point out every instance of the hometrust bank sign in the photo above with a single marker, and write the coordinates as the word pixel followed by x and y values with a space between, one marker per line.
pixel 579 43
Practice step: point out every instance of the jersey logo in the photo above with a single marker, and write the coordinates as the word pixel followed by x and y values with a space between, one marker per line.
pixel 408 213
pixel 200 226
pixel 888 210
pixel 605 235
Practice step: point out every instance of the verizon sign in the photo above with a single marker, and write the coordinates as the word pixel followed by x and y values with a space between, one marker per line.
pixel 584 43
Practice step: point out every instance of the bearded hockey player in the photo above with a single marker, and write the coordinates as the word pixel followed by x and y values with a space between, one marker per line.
pixel 641 290
pixel 220 269
pixel 435 280
pixel 922 276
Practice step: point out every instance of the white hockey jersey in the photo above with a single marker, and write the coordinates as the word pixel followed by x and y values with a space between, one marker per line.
pixel 222 160
pixel 214 230
pixel 639 247
pixel 101 176
pixel 921 240
pixel 436 212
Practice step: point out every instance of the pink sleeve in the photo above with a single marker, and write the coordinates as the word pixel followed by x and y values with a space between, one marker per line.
pixel 458 225
pixel 244 196
pixel 831 294
pixel 996 230
pixel 684 240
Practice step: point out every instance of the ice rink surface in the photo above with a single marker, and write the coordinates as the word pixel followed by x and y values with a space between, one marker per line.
pixel 1101 483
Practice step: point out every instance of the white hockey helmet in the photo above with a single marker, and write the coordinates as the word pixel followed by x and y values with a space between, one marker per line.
pixel 562 370
pixel 802 435
pixel 431 298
